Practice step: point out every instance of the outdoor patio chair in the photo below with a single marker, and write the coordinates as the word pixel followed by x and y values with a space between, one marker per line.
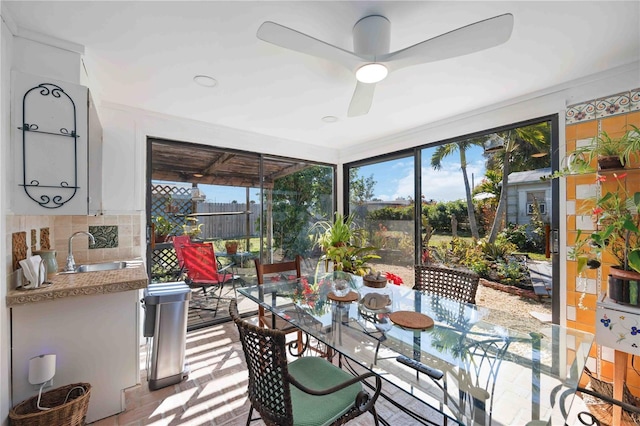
pixel 452 283
pixel 203 271
pixel 266 319
pixel 180 241
pixel 307 391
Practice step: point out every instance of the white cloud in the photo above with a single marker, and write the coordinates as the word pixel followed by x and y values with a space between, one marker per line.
pixel 395 179
pixel 447 184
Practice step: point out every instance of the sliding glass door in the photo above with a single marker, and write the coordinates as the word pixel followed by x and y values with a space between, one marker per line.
pixel 381 198
pixel 248 206
pixel 296 195
pixel 486 203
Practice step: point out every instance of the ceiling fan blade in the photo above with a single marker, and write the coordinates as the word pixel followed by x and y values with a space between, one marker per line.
pixel 291 39
pixel 462 41
pixel 361 99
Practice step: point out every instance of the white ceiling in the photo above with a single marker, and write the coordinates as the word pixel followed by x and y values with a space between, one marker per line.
pixel 145 55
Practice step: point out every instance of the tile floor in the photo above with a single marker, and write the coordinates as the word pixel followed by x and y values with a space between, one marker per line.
pixel 215 392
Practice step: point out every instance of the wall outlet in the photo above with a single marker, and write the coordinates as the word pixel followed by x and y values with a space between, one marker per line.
pixel 48 384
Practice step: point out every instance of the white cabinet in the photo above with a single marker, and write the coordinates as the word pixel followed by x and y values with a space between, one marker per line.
pixel 57 148
pixel 95 339
pixel 618 326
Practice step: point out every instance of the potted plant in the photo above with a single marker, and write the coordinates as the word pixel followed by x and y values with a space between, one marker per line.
pixel 163 227
pixel 342 242
pixel 611 152
pixel 231 247
pixel 618 218
pixel 586 254
pixel 191 227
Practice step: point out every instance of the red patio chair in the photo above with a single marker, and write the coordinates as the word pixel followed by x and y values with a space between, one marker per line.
pixel 203 270
pixel 180 241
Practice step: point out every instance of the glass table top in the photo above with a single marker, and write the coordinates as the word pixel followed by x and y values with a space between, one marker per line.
pixel 490 374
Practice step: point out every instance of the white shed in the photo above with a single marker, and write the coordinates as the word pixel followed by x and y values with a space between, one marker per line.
pixel 526 190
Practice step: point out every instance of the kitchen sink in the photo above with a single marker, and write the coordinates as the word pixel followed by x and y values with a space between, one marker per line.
pixel 107 266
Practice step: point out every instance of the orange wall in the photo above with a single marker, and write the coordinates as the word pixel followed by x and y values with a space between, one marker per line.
pixel 614 115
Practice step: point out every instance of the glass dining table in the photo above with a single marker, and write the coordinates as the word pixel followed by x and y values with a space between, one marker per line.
pixel 470 370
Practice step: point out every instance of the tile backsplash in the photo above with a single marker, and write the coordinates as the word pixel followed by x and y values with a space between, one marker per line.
pixel 106 236
pixel 18 248
pixel 118 237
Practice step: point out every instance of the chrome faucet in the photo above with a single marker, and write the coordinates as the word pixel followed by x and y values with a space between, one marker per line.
pixel 71 263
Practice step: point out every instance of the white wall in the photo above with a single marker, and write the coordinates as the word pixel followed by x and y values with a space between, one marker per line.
pixel 124 149
pixel 5 67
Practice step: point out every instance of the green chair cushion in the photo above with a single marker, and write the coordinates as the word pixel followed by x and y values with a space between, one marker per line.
pixel 317 373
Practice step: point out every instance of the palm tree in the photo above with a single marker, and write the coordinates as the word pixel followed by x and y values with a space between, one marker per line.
pixel 443 151
pixel 490 184
pixel 535 136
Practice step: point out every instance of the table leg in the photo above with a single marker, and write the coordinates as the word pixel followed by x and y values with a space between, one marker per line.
pixel 619 377
pixel 535 375
pixel 273 314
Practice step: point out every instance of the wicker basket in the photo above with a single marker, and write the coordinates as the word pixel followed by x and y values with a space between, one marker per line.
pixel 61 413
pixel 603 411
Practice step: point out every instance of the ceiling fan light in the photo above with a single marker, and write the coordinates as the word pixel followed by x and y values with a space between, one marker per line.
pixel 371 73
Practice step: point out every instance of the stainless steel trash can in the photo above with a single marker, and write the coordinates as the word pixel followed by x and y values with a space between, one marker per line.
pixel 166 308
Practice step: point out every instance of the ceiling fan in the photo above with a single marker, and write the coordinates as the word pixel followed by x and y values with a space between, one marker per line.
pixel 371 60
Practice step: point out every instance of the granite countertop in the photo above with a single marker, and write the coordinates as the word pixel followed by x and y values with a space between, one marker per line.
pixel 133 277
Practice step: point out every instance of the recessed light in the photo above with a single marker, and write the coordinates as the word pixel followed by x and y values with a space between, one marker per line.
pixel 205 81
pixel 329 119
pixel 198 175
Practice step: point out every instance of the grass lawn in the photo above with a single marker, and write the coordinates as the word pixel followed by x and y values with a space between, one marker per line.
pixel 437 239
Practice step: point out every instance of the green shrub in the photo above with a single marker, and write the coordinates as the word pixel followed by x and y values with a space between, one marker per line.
pixel 480 267
pixel 391 213
pixel 439 214
pixel 516 234
pixel 497 250
pixel 509 272
pixel 527 238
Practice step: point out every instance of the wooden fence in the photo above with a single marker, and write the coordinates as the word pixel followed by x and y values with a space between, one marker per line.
pixel 231 226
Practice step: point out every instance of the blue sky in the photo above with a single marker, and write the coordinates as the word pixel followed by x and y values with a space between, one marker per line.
pixel 394 179
pixel 226 194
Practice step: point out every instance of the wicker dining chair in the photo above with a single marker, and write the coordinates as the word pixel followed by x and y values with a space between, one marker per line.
pixel 307 391
pixel 452 283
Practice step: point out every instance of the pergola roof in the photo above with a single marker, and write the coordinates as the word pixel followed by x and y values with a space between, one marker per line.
pixel 185 162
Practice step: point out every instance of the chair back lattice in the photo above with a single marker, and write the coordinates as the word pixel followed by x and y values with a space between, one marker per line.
pixel 266 357
pixel 200 264
pixel 452 283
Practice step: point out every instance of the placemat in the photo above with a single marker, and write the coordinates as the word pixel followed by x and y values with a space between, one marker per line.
pixel 413 320
pixel 350 297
